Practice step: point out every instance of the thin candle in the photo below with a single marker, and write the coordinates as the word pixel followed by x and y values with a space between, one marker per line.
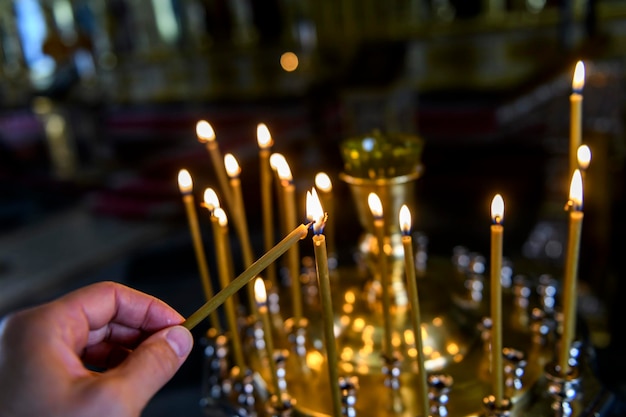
pixel 265 142
pixel 212 202
pixel 260 294
pixel 278 160
pixel 325 187
pixel 246 276
pixel 570 276
pixel 315 213
pixel 497 232
pixel 220 235
pixel 576 110
pixel 185 185
pixel 376 207
pixel 409 262
pixel 206 135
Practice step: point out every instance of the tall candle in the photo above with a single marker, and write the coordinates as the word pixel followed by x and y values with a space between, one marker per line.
pixel 206 135
pixel 376 207
pixel 185 184
pixel 315 213
pixel 261 300
pixel 497 232
pixel 278 163
pixel 265 141
pixel 576 110
pixel 220 236
pixel 409 262
pixel 212 202
pixel 325 187
pixel 246 276
pixel 571 270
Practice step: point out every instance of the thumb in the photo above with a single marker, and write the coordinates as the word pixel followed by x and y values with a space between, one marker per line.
pixel 151 365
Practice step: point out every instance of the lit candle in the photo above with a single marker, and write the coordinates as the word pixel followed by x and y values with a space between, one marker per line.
pixel 265 141
pixel 185 184
pixel 315 213
pixel 289 199
pixel 497 232
pixel 571 270
pixel 246 276
pixel 583 156
pixel 241 225
pixel 325 186
pixel 206 135
pixel 409 261
pixel 576 110
pixel 260 294
pixel 220 236
pixel 376 207
pixel 278 162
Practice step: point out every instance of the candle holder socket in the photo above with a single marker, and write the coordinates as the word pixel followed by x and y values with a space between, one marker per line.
pixel 439 387
pixel 493 409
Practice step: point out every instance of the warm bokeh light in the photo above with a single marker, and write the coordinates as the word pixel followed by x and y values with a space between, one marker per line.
pixel 280 165
pixel 221 216
pixel 289 61
pixel 375 205
pixel 578 82
pixel 263 136
pixel 576 190
pixel 211 201
pixel 322 181
pixel 231 164
pixel 185 184
pixel 204 131
pixel 584 157
pixel 497 209
pixel 405 219
pixel 260 294
pixel 314 210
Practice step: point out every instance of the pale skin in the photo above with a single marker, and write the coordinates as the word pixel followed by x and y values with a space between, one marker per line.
pixel 134 340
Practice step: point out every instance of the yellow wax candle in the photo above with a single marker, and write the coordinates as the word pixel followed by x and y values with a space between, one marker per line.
pixel 571 271
pixel 576 110
pixel 265 141
pixel 497 232
pixel 325 186
pixel 376 207
pixel 409 262
pixel 220 236
pixel 206 135
pixel 185 184
pixel 246 276
pixel 261 300
pixel 315 213
pixel 278 163
pixel 212 202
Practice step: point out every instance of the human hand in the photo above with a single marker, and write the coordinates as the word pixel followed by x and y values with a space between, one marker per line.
pixel 133 337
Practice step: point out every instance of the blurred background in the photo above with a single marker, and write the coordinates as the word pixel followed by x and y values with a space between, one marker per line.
pixel 99 101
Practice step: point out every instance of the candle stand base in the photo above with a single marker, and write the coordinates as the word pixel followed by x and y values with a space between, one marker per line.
pixel 494 409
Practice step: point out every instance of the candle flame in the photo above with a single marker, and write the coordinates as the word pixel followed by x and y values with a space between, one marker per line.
pixel 185 183
pixel 276 159
pixel 260 294
pixel 584 157
pixel 497 209
pixel 314 211
pixel 405 219
pixel 205 131
pixel 280 165
pixel 322 181
pixel 578 81
pixel 232 166
pixel 221 216
pixel 211 201
pixel 576 190
pixel 263 136
pixel 376 206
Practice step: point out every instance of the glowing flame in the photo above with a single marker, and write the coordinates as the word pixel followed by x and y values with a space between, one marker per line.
pixel 259 291
pixel 497 209
pixel 314 211
pixel 376 206
pixel 232 166
pixel 405 219
pixel 322 181
pixel 280 165
pixel 221 216
pixel 576 190
pixel 211 201
pixel 584 157
pixel 205 131
pixel 276 159
pixel 579 77
pixel 263 136
pixel 185 184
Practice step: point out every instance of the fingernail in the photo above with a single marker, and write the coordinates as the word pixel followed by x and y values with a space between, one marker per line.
pixel 180 340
